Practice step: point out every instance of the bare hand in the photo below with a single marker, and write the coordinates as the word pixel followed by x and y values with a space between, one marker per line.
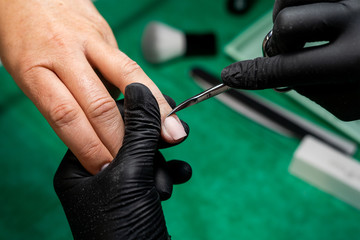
pixel 54 49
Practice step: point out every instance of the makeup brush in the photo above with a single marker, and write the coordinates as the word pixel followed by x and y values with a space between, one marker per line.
pixel 161 43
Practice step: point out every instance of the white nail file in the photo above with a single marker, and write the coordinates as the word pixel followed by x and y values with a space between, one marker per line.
pixel 327 169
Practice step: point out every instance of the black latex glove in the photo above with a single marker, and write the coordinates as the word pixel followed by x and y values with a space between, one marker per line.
pixel 162 143
pixel 123 200
pixel 328 74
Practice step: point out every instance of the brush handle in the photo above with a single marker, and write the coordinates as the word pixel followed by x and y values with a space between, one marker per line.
pixel 200 44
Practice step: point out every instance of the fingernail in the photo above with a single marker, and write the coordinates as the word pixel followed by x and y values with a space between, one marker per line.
pixel 104 166
pixel 173 128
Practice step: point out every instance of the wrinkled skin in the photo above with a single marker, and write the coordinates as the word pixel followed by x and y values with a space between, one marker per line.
pixel 64 57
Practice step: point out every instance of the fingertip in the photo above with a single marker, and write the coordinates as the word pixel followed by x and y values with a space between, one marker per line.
pixel 94 159
pixel 239 74
pixel 104 166
pixel 180 171
pixel 138 92
pixel 95 168
pixel 225 73
pixel 164 143
pixel 186 127
pixel 138 96
pixel 259 73
pixel 172 129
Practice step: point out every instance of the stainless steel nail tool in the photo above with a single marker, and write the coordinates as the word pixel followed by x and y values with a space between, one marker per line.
pixel 211 92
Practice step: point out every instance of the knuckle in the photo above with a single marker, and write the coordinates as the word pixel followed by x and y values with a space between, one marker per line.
pixel 102 107
pixel 44 57
pixel 89 151
pixel 58 40
pixel 281 25
pixel 130 68
pixel 28 67
pixel 63 114
pixel 103 26
pixel 99 21
pixel 62 47
pixel 29 70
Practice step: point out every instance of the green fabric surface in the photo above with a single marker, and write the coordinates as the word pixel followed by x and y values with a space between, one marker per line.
pixel 241 187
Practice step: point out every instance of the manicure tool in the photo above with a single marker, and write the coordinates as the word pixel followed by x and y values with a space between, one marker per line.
pixel 273 116
pixel 220 88
pixel 211 92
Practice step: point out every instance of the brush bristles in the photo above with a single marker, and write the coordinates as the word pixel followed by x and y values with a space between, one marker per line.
pixel 161 42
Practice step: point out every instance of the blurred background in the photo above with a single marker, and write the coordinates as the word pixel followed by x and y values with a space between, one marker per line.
pixel 241 187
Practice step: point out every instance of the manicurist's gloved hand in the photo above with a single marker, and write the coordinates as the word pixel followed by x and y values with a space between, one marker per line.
pixel 123 201
pixel 328 74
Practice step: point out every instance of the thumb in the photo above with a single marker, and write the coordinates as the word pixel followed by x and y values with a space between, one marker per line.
pixel 142 123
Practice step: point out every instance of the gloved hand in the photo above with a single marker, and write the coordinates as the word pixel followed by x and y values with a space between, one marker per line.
pixel 328 74
pixel 123 200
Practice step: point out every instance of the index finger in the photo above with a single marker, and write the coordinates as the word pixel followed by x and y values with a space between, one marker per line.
pixel 308 66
